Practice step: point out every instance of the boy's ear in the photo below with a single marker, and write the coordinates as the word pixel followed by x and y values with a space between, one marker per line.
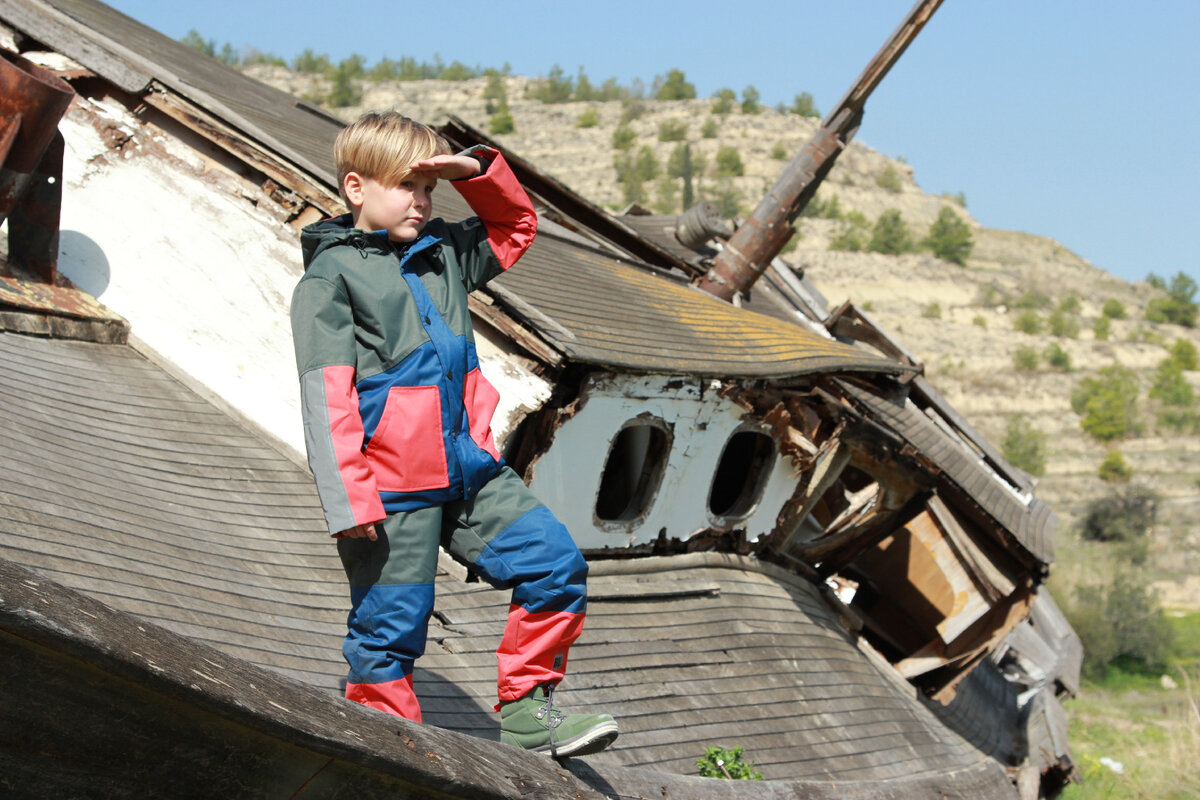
pixel 352 187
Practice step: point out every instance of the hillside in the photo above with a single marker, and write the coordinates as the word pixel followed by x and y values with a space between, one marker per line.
pixel 958 320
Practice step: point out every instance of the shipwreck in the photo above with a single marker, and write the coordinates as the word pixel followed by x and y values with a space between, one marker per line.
pixel 797 546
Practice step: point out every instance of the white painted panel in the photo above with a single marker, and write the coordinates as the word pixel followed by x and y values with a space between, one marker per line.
pixel 567 477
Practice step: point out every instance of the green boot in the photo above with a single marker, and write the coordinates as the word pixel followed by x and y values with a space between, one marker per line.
pixel 532 722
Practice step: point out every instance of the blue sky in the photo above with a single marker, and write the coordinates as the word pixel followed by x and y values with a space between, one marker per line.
pixel 1069 119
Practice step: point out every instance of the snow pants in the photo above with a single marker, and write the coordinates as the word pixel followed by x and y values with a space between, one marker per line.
pixel 511 541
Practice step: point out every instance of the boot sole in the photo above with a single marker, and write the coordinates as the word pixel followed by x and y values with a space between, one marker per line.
pixel 590 741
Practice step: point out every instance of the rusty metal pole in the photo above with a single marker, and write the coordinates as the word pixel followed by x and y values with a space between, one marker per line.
pixel 760 238
pixel 32 101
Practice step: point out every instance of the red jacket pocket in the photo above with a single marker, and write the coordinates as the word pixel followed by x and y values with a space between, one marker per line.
pixel 406 452
pixel 481 399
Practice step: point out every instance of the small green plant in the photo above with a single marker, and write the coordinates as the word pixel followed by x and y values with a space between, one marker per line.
pixel 1113 309
pixel 502 122
pixel 1178 307
pixel 932 311
pixel 1057 358
pixel 1025 446
pixel 724 100
pixel 729 163
pixel 949 238
pixel 1183 353
pixel 672 130
pixel 727 764
pixel 1122 516
pixel 623 137
pixel 1025 359
pixel 1120 624
pixel 1107 404
pixel 556 87
pixel 675 87
pixel 1063 324
pixel 1033 298
pixel 852 235
pixel 1028 321
pixel 750 97
pixel 588 118
pixel 779 152
pixel 1170 386
pixel 1114 468
pixel 1102 329
pixel 890 235
pixel 804 105
pixel 889 179
pixel 709 129
pixel 1069 304
pixel 979 321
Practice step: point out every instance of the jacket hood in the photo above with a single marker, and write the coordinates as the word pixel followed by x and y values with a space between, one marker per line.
pixel 320 236
pixel 335 231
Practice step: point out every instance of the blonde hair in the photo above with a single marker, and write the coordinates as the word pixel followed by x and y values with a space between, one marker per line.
pixel 382 145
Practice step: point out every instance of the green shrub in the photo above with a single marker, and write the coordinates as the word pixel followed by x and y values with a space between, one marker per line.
pixel 803 105
pixel 1113 309
pixel 709 129
pixel 729 163
pixel 889 179
pixel 1170 386
pixel 1178 307
pixel 1102 329
pixel 1179 420
pixel 1027 321
pixel 1025 446
pixel 1183 353
pixel 672 130
pixel 556 87
pixel 675 87
pixel 345 91
pixel 1120 623
pixel 932 311
pixel 1069 304
pixel 623 137
pixel 1062 324
pixel 979 321
pixel 501 122
pixel 1057 358
pixel 823 209
pixel 728 764
pixel 949 238
pixel 852 234
pixel 890 235
pixel 1114 468
pixel 1107 404
pixel 1124 515
pixel 725 98
pixel 1025 359
pixel 1033 298
pixel 725 198
pixel 681 166
pixel 750 98
pixel 310 63
pixel 588 118
pixel 779 152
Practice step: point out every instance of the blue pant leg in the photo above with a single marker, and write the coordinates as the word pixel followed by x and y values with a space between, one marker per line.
pixel 391 595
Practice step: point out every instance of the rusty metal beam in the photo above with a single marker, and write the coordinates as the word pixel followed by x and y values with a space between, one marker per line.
pixel 32 101
pixel 761 237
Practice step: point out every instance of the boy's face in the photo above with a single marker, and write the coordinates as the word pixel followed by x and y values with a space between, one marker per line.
pixel 401 210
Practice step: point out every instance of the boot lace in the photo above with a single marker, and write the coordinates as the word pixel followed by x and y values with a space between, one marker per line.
pixel 551 715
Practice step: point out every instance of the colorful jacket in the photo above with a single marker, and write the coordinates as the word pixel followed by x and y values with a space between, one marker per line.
pixel 396 413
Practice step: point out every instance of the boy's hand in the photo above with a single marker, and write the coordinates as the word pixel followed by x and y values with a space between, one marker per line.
pixel 449 167
pixel 364 531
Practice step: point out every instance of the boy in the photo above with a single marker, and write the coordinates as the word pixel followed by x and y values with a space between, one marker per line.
pixel 396 420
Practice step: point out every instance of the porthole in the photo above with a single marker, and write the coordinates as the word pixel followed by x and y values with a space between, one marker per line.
pixel 741 474
pixel 633 470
